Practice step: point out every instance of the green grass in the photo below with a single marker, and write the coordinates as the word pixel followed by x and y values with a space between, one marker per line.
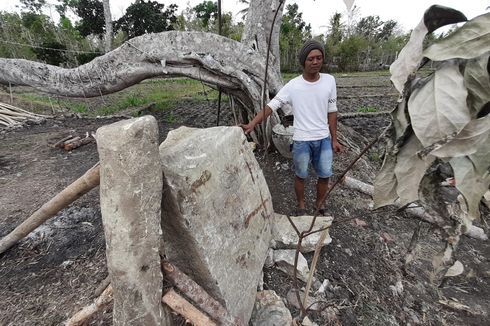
pixel 79 108
pixel 166 93
pixel 366 109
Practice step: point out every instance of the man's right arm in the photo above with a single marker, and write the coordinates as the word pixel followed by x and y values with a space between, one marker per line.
pixel 259 117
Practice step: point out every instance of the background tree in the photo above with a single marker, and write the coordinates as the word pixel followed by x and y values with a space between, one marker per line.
pixel 294 32
pixel 108 26
pixel 204 18
pixel 335 35
pixel 144 17
pixel 33 5
pixel 206 12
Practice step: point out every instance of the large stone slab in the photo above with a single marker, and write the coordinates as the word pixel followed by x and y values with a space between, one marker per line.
pixel 285 237
pixel 216 212
pixel 130 199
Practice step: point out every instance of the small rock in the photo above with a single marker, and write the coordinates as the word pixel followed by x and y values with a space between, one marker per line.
pixel 284 260
pixel 323 287
pixel 285 237
pixel 348 252
pixel 67 263
pixel 386 237
pixel 307 322
pixel 269 310
pixel 359 222
pixel 311 303
pixel 269 259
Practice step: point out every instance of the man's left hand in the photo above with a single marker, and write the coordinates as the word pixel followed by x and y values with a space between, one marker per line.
pixel 337 148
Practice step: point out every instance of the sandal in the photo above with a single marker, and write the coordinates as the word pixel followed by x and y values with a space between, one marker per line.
pixel 299 212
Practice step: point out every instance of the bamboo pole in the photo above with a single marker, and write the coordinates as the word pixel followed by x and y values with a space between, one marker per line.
pixel 81 186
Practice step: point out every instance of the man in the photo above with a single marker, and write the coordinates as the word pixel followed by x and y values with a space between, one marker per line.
pixel 313 97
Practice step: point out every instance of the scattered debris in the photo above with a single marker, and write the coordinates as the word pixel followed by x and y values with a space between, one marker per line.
pixel 71 142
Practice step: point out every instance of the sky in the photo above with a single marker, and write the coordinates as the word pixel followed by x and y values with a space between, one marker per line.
pixel 407 13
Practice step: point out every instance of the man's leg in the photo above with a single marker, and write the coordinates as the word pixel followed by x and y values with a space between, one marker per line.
pixel 301 159
pixel 322 162
pixel 321 190
pixel 299 189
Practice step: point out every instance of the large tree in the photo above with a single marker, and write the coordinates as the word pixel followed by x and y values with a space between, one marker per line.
pixel 237 68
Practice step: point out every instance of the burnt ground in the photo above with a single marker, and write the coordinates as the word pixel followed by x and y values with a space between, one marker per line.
pixel 54 272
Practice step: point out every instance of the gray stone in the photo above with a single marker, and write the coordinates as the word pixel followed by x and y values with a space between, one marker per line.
pixel 216 213
pixel 311 302
pixel 269 310
pixel 269 260
pixel 307 322
pixel 285 237
pixel 130 199
pixel 284 260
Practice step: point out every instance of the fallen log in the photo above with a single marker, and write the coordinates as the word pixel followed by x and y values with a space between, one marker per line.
pixel 61 142
pixel 84 315
pixel 472 231
pixel 178 304
pixel 72 144
pixel 198 295
pixel 81 186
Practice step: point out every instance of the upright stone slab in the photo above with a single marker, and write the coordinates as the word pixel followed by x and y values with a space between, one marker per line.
pixel 130 200
pixel 216 213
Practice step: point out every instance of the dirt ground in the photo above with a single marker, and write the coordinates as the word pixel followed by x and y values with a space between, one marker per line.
pixel 53 273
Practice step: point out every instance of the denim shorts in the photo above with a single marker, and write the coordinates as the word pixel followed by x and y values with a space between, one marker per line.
pixel 318 152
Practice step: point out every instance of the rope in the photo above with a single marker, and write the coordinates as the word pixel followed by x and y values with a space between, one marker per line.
pixel 45 48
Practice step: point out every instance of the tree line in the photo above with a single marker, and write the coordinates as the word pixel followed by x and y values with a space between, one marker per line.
pixel 361 43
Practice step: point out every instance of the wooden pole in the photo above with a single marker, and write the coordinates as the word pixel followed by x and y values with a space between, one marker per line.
pixel 198 295
pixel 184 308
pixel 77 189
pixel 84 315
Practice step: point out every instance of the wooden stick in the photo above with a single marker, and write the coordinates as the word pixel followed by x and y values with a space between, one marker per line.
pixel 81 186
pixel 187 310
pixel 61 142
pixel 68 146
pixel 198 295
pixel 472 231
pixel 84 315
pixel 102 286
pixel 14 108
pixel 318 247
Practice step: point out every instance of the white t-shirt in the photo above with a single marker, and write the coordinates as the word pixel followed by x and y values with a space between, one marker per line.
pixel 311 103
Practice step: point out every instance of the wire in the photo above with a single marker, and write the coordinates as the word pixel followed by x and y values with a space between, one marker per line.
pixel 45 48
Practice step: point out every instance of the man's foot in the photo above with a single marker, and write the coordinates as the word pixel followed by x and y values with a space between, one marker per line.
pixel 299 212
pixel 322 212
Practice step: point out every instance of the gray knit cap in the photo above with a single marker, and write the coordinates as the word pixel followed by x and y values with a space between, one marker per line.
pixel 307 48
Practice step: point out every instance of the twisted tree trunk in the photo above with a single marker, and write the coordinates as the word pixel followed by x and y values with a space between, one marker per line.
pixel 237 68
